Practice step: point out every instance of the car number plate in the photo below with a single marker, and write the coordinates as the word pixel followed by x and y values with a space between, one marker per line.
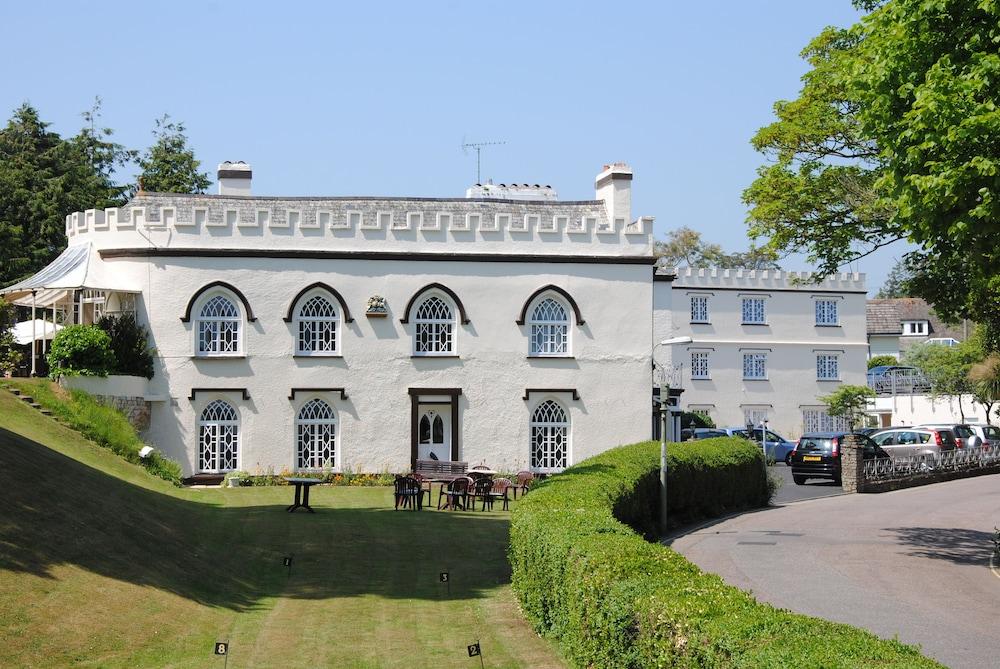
pixel 811 458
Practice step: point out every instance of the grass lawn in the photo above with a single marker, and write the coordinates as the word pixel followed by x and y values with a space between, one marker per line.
pixel 103 565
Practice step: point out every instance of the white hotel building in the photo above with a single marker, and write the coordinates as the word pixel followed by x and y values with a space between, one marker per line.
pixel 507 327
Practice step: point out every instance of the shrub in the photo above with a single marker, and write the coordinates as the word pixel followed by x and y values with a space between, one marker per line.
pixel 132 355
pixel 81 350
pixel 880 360
pixel 690 419
pixel 10 356
pixel 583 576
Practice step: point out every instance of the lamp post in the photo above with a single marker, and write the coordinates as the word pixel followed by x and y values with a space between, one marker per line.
pixel 664 418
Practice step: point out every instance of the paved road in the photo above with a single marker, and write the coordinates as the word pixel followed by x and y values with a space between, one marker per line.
pixel 789 492
pixel 913 563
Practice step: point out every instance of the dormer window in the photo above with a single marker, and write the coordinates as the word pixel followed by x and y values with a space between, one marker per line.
pixel 915 328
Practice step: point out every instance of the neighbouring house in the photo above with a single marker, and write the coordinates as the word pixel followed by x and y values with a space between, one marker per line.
pixel 765 345
pixel 896 324
pixel 299 333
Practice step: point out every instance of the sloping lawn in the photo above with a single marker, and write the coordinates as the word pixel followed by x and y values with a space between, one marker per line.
pixel 102 565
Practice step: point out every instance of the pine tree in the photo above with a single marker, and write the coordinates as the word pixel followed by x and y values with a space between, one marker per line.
pixel 169 165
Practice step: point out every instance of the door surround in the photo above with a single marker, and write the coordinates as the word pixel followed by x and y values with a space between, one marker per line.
pixel 415 394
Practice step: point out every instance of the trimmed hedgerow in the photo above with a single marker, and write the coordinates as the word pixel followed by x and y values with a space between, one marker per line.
pixel 612 599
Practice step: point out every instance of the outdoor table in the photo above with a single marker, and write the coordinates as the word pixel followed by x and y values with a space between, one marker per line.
pixel 301 499
pixel 477 473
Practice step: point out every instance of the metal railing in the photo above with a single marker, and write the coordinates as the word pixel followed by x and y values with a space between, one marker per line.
pixel 900 382
pixel 888 469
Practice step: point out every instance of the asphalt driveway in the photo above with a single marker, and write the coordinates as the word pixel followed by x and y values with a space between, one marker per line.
pixel 913 563
pixel 789 492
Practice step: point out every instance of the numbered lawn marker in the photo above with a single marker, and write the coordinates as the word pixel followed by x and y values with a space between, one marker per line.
pixel 287 562
pixel 222 648
pixel 445 577
pixel 476 651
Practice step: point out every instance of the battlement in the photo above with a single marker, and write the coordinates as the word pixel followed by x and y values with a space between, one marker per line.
pixel 362 223
pixel 713 277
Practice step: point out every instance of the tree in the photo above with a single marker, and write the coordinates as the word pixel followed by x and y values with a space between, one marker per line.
pixel 894 136
pixel 169 165
pixel 685 247
pixel 897 283
pixel 10 356
pixel 849 403
pixel 129 345
pixel 985 378
pixel 947 368
pixel 42 178
pixel 880 360
pixel 81 350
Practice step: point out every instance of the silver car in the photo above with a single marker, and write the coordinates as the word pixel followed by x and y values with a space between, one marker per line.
pixel 920 442
pixel 965 436
pixel 990 434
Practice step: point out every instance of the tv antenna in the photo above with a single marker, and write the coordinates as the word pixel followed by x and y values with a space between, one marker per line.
pixel 478 146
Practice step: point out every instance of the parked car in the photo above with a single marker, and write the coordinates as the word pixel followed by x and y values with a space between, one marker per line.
pixel 920 442
pixel 990 434
pixel 775 446
pixel 689 433
pixel 965 436
pixel 817 456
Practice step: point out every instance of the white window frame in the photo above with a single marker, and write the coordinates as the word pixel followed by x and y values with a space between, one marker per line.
pixel 755 416
pixel 535 325
pixel 827 312
pixel 703 299
pixel 239 319
pixel 418 321
pixel 299 320
pixel 552 426
pixel 763 310
pixel 827 367
pixel 910 328
pixel 816 419
pixel 700 365
pixel 216 425
pixel 313 426
pixel 758 361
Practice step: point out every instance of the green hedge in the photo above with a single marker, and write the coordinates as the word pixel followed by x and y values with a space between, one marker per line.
pixel 612 599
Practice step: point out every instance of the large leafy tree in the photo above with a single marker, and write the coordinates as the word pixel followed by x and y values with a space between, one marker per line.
pixel 44 176
pixel 685 247
pixel 895 135
pixel 169 165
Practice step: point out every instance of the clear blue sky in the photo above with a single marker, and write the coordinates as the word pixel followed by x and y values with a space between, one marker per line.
pixel 375 98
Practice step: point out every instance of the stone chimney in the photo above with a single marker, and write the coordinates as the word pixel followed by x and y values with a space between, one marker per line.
pixel 234 178
pixel 614 186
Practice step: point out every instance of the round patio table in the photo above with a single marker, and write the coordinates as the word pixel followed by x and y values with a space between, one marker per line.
pixel 301 498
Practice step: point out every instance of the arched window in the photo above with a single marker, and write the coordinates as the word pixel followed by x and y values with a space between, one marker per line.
pixel 549 437
pixel 317 326
pixel 219 326
pixel 218 438
pixel 549 328
pixel 434 331
pixel 316 436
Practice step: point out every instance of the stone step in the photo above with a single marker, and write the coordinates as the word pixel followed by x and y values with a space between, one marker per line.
pixel 27 398
pixel 35 405
pixel 16 391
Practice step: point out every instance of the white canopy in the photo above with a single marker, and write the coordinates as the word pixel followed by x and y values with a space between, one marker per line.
pixel 37 329
pixel 74 269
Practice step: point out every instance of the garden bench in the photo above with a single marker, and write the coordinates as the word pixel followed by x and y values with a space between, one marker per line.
pixel 441 470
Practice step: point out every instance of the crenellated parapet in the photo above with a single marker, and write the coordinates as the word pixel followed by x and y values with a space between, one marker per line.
pixel 714 277
pixel 469 225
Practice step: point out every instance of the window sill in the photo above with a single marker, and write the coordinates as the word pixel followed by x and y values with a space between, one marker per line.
pixel 551 357
pixel 427 356
pixel 830 380
pixel 828 325
pixel 701 378
pixel 755 378
pixel 317 355
pixel 700 322
pixel 228 356
pixel 763 324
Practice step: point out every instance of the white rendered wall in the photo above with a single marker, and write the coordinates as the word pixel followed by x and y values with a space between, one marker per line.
pixel 920 409
pixel 791 340
pixel 883 345
pixel 610 368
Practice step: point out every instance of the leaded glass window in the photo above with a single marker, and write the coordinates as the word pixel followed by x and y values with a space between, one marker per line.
pixel 699 309
pixel 753 311
pixel 754 416
pixel 435 328
pixel 218 438
pixel 827 366
pixel 317 327
pixel 316 436
pixel 754 365
pixel 818 420
pixel 549 437
pixel 219 327
pixel 549 328
pixel 826 312
pixel 699 365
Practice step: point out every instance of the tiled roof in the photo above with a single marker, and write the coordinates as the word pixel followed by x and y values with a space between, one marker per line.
pixel 886 317
pixel 883 317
